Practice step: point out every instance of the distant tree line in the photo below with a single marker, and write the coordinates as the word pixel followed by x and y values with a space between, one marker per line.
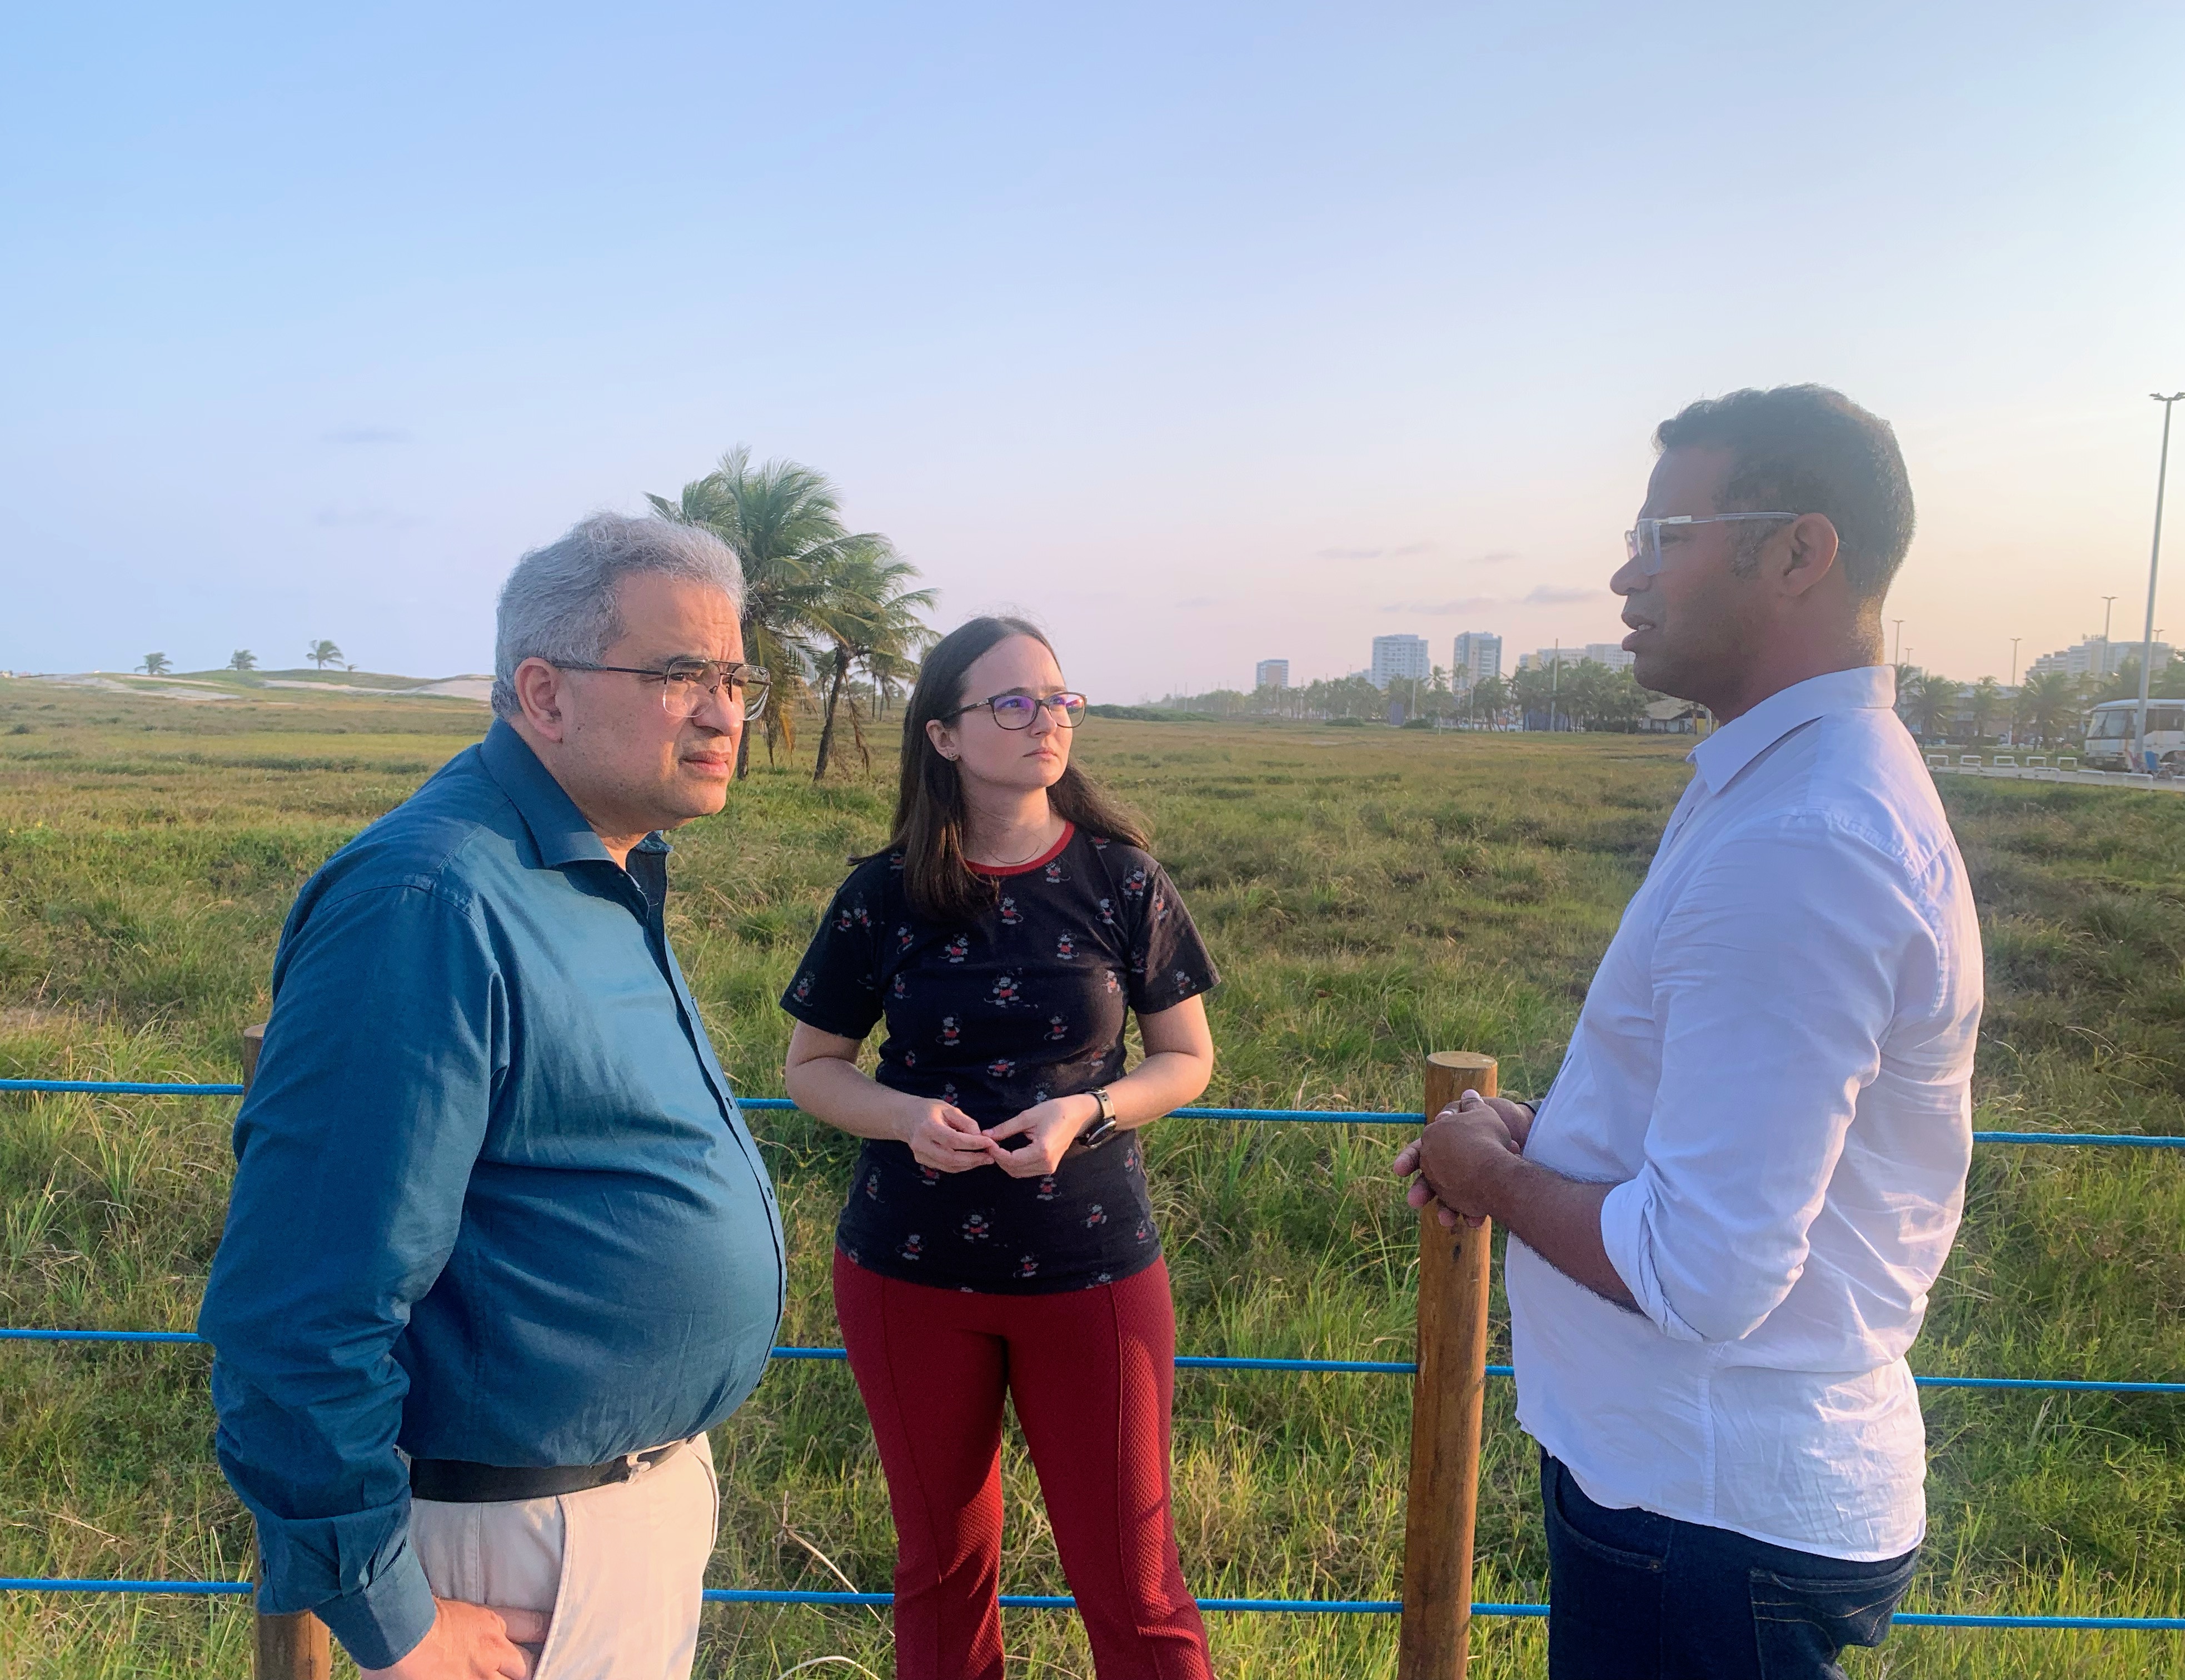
pixel 1580 694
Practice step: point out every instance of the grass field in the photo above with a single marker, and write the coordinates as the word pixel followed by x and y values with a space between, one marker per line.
pixel 1370 896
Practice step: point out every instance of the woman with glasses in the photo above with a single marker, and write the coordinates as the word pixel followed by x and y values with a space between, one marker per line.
pixel 998 1238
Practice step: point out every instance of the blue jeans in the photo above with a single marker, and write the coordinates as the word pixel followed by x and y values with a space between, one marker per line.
pixel 1636 1596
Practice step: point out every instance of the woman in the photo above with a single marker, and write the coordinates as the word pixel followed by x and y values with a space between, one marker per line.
pixel 999 1236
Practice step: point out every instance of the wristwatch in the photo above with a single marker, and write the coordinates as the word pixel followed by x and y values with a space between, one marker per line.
pixel 1104 1126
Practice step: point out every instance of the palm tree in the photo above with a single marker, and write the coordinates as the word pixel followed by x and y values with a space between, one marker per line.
pixel 2047 703
pixel 242 660
pixel 323 654
pixel 156 665
pixel 1984 700
pixel 1928 702
pixel 866 616
pixel 784 523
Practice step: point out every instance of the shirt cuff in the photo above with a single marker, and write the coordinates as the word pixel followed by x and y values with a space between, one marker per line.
pixel 1624 1233
pixel 381 1624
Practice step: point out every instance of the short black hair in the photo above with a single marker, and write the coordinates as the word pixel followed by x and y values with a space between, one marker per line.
pixel 1806 448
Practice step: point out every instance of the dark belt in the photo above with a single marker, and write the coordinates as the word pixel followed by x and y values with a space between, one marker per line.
pixel 457 1482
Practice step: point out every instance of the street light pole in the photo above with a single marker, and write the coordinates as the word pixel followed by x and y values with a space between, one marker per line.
pixel 1898 643
pixel 2154 561
pixel 2014 660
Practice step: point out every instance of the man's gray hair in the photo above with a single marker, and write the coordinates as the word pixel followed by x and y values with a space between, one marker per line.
pixel 559 603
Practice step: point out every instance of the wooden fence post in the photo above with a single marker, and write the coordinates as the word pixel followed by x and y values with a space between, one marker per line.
pixel 1441 1502
pixel 293 1647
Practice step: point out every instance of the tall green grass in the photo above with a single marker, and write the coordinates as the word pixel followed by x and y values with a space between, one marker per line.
pixel 1370 897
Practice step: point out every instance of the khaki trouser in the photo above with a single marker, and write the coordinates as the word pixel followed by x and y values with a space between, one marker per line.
pixel 618 1567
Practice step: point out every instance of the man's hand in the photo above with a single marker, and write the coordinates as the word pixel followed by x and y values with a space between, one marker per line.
pixel 1454 1156
pixel 473 1642
pixel 1051 1127
pixel 947 1139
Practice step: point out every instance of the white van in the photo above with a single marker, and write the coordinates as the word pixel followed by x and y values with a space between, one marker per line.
pixel 2113 724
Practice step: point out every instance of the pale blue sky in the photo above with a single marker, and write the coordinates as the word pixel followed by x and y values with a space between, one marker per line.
pixel 1205 333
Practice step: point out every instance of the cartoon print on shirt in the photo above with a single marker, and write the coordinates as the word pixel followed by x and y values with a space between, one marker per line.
pixel 872 1186
pixel 913 1246
pixel 1057 1028
pixel 929 1176
pixel 1053 874
pixel 910 1058
pixel 1001 1067
pixel 801 991
pixel 1006 991
pixel 949 1094
pixel 1112 984
pixel 900 988
pixel 1010 914
pixel 1027 1266
pixel 904 936
pixel 1094 1215
pixel 1107 911
pixel 1065 947
pixel 977 1228
pixel 1134 883
pixel 956 949
pixel 1047 1188
pixel 1144 1233
pixel 951 1031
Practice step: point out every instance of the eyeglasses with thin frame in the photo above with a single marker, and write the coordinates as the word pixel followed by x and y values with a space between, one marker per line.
pixel 686 683
pixel 1643 542
pixel 1016 710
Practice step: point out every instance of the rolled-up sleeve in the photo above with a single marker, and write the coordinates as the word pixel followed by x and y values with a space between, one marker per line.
pixel 1775 979
pixel 353 1150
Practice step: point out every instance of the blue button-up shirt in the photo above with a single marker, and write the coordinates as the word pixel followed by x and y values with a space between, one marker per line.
pixel 494 1200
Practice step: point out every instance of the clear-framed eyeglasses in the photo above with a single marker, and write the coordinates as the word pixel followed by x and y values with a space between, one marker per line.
pixel 1643 542
pixel 1017 710
pixel 685 684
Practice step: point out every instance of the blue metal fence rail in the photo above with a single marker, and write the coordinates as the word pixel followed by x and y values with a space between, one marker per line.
pixel 1184 1361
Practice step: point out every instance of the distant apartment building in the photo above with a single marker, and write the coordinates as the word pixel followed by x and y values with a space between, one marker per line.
pixel 1400 659
pixel 1610 654
pixel 1271 673
pixel 1476 656
pixel 2098 657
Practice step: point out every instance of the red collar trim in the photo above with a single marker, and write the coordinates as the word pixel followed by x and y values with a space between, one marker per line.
pixel 1041 861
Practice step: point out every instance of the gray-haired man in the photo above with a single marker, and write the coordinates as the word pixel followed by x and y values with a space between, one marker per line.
pixel 500 1250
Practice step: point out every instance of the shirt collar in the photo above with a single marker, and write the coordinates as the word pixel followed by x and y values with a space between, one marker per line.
pixel 1722 755
pixel 557 827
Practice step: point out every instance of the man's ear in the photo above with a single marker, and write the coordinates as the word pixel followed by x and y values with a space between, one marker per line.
pixel 541 691
pixel 1809 552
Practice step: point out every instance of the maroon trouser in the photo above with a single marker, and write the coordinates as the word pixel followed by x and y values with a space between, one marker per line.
pixel 1093 1372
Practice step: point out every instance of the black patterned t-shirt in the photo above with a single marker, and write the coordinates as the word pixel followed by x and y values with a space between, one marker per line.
pixel 1024 1003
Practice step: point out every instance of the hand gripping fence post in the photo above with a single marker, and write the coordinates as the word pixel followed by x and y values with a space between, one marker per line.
pixel 1441 1502
pixel 296 1646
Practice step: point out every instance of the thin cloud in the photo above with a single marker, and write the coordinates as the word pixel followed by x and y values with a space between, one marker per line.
pixel 1349 554
pixel 1443 609
pixel 1546 595
pixel 1411 548
pixel 1493 557
pixel 337 518
pixel 366 434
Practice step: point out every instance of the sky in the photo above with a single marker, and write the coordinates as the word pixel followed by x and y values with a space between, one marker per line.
pixel 1204 333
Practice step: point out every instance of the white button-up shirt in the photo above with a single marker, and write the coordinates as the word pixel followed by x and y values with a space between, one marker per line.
pixel 1773 1067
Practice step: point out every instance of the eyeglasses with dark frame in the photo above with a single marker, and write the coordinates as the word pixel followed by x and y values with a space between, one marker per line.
pixel 1016 710
pixel 1643 542
pixel 685 683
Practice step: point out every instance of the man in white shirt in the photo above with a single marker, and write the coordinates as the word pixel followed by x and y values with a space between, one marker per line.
pixel 1727 1212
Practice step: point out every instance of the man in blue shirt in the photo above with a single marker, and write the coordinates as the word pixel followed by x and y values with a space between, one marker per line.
pixel 500 1249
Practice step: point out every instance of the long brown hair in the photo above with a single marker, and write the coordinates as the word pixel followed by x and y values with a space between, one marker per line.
pixel 929 802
